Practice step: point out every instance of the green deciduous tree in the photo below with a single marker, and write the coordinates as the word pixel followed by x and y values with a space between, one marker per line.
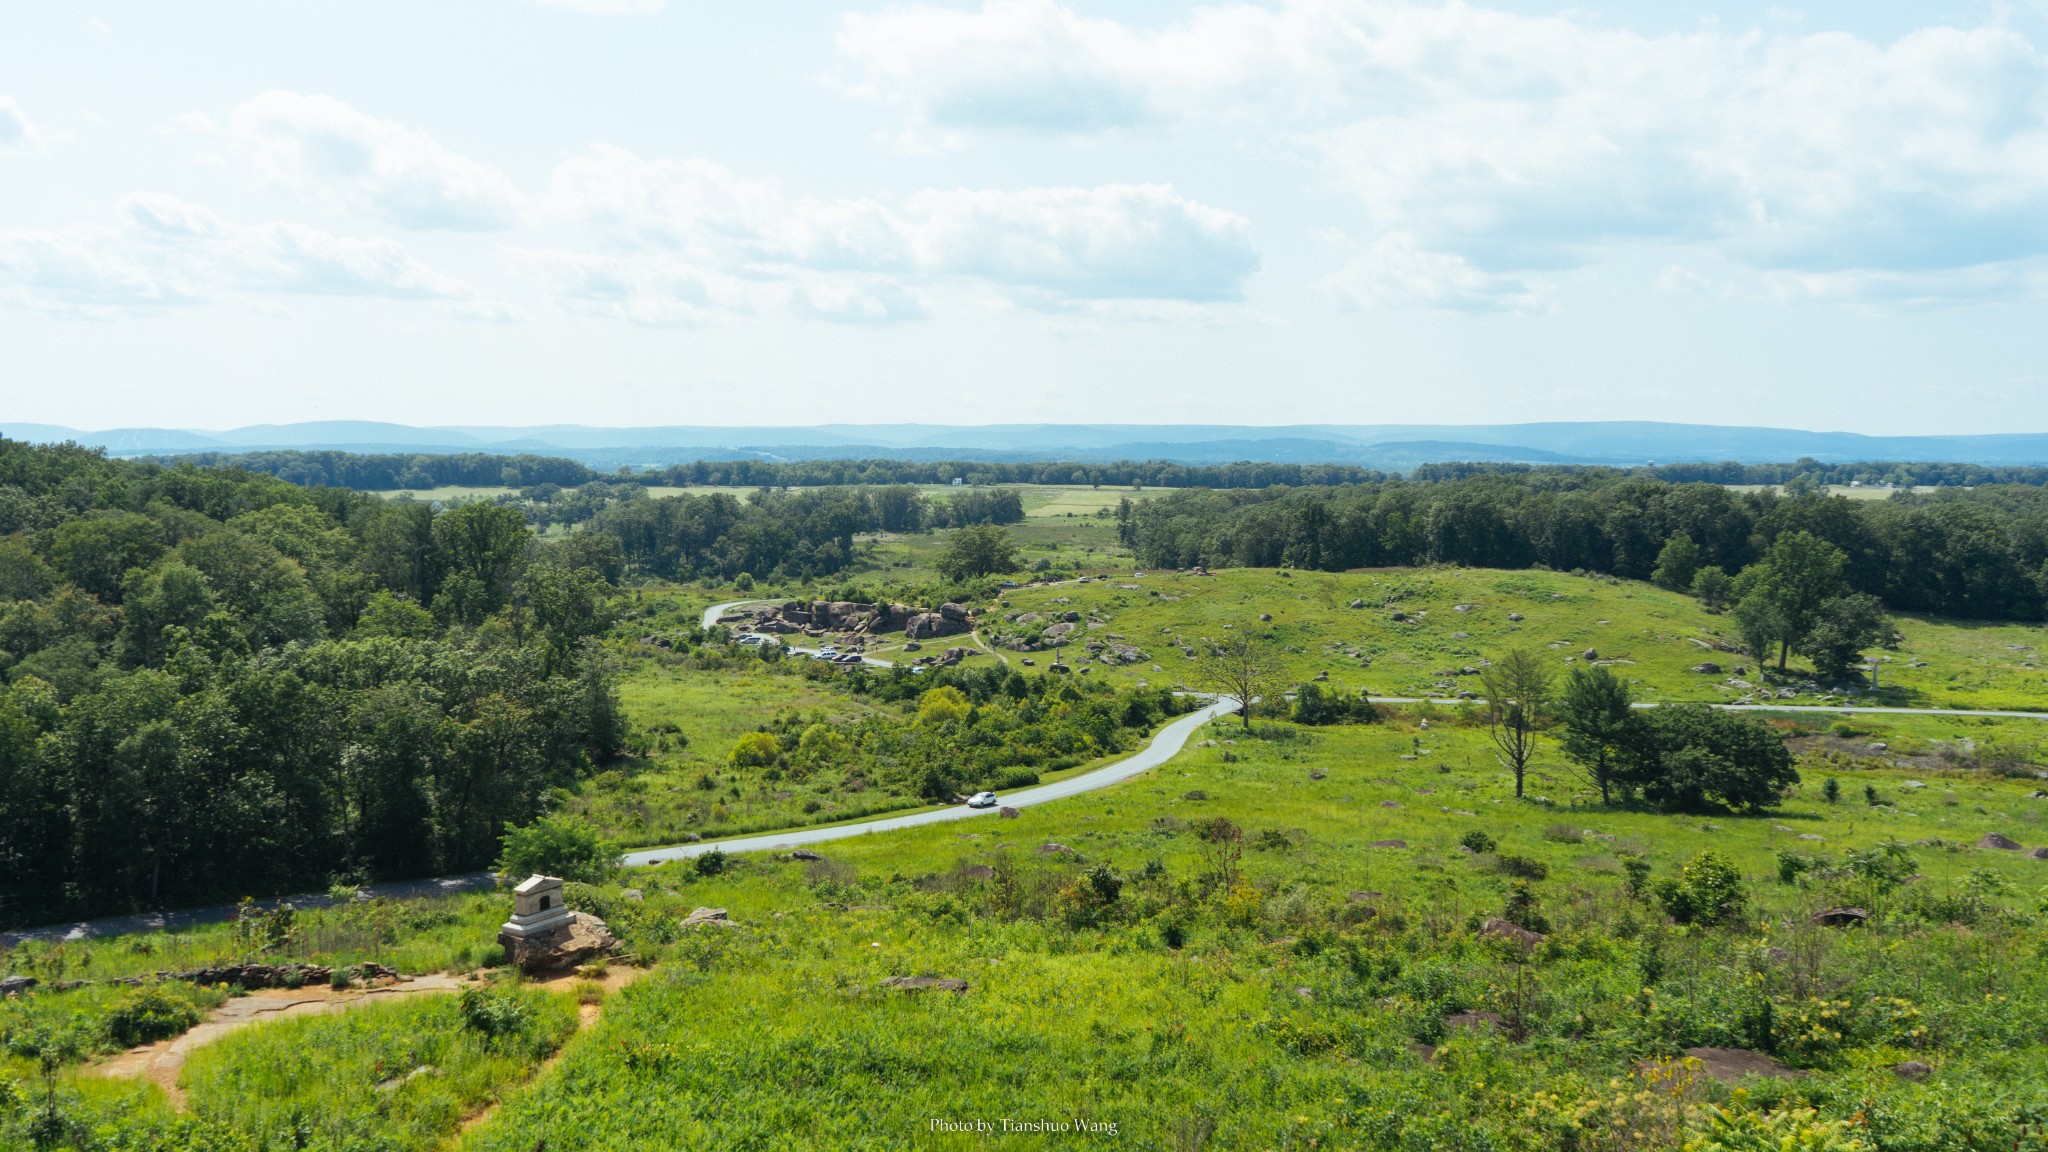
pixel 978 550
pixel 1677 564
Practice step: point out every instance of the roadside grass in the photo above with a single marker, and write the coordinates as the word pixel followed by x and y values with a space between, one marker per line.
pixel 1648 635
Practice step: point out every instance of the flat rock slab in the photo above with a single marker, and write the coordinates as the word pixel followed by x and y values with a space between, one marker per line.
pixel 2002 843
pixel 709 918
pixel 926 984
pixel 1729 1065
pixel 1389 844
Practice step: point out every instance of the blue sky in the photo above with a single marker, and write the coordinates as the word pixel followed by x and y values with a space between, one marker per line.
pixel 1831 215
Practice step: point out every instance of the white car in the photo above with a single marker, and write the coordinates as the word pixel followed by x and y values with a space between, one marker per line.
pixel 752 640
pixel 982 800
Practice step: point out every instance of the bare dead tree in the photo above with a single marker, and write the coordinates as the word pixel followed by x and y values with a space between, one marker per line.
pixel 1242 667
pixel 1517 697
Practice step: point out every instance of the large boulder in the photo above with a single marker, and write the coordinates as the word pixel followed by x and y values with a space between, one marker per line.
pixel 1513 933
pixel 1840 917
pixel 957 613
pixel 711 917
pixel 2002 843
pixel 579 938
pixel 932 625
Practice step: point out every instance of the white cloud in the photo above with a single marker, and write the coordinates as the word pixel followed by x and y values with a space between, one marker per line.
pixel 607 7
pixel 16 133
pixel 159 252
pixel 870 260
pixel 323 149
pixel 1514 145
pixel 1394 273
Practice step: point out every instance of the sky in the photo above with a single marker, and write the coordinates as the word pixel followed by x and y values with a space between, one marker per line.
pixel 636 212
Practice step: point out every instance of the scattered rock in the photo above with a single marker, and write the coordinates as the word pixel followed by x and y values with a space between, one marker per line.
pixel 1390 803
pixel 926 983
pixel 1515 616
pixel 2039 853
pixel 2002 843
pixel 1708 667
pixel 709 917
pixel 1511 932
pixel 1912 1070
pixel 1591 654
pixel 1317 774
pixel 805 854
pixel 1728 1065
pixel 1472 1021
pixel 1358 603
pixel 16 985
pixel 1265 617
pixel 1389 844
pixel 579 938
pixel 1811 836
pixel 1306 993
pixel 634 894
pixel 1364 897
pixel 1055 850
pixel 1840 917
pixel 1007 812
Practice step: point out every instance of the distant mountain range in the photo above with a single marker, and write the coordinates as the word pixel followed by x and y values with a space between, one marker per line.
pixel 1391 447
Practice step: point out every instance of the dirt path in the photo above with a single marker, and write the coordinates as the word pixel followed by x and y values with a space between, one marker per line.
pixel 587 1016
pixel 163 1061
pixel 983 645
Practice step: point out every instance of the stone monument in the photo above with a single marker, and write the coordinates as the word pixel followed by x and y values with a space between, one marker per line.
pixel 544 934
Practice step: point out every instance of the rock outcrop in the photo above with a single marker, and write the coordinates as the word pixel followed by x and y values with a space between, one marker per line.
pixel 581 937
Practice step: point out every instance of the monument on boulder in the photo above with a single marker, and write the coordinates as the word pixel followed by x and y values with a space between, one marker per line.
pixel 537 908
pixel 544 934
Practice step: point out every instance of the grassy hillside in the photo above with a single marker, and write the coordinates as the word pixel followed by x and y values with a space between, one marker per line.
pixel 1453 618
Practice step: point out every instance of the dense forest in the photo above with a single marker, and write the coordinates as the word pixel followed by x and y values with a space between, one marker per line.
pixel 219 683
pixel 387 472
pixel 1980 554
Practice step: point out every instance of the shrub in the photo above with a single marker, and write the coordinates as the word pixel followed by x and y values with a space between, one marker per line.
pixel 711 863
pixel 755 750
pixel 148 1014
pixel 1637 871
pixel 1478 842
pixel 1563 834
pixel 1831 790
pixel 1708 890
pixel 1523 909
pixel 1521 867
pixel 563 846
pixel 1798 1128
pixel 494 1014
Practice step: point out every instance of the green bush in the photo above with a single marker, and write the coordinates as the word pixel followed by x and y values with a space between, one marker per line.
pixel 1708 890
pixel 493 1013
pixel 148 1014
pixel 562 846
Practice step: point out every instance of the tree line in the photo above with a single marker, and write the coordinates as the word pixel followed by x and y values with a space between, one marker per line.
pixel 393 471
pixel 780 533
pixel 1979 553
pixel 219 684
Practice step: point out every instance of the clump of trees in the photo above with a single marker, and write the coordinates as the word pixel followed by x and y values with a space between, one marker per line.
pixel 218 683
pixel 1679 757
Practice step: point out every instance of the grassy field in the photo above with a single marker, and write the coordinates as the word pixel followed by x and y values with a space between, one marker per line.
pixel 1451 619
pixel 1310 985
pixel 1294 1010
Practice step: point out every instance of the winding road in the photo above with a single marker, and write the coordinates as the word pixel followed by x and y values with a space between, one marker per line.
pixel 1169 741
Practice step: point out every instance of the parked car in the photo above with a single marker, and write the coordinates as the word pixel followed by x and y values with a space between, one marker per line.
pixel 751 640
pixel 982 800
pixel 847 658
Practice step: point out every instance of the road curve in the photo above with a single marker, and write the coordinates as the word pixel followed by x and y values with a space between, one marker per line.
pixel 1163 747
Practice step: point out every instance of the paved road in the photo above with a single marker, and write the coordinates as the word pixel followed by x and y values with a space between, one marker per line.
pixel 1163 747
pixel 1833 708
